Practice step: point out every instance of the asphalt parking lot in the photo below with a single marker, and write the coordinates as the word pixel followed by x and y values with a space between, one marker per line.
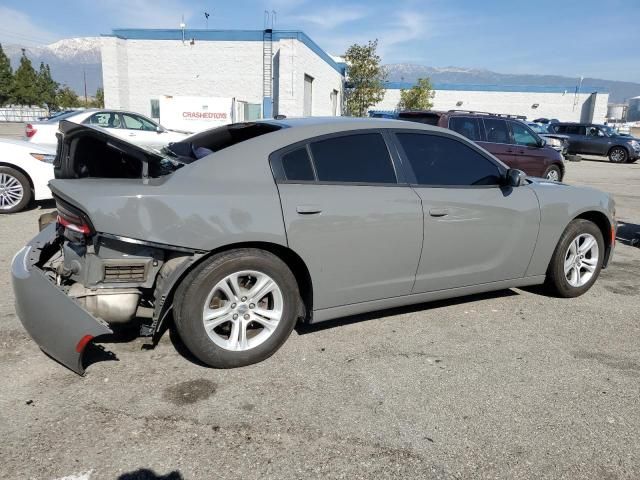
pixel 505 385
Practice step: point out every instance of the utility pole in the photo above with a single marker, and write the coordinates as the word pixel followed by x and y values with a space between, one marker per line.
pixel 84 75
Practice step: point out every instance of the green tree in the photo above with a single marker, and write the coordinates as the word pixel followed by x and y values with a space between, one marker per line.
pixel 98 101
pixel 25 90
pixel 67 98
pixel 417 97
pixel 46 87
pixel 6 78
pixel 366 77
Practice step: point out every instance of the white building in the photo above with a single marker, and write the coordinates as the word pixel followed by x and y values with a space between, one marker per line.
pixel 265 73
pixel 533 102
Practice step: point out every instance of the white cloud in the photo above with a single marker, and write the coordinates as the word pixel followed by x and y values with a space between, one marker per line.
pixel 19 28
pixel 332 18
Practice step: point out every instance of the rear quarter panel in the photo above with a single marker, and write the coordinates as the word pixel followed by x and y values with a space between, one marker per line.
pixel 225 198
pixel 559 204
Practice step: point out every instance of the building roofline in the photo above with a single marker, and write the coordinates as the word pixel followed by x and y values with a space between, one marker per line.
pixel 500 88
pixel 222 36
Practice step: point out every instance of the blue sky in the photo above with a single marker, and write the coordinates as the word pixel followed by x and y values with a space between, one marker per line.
pixel 592 38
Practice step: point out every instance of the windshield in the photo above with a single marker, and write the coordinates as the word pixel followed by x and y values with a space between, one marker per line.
pixel 610 132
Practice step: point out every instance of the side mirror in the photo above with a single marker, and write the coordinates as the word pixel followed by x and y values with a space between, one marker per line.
pixel 159 129
pixel 542 143
pixel 515 178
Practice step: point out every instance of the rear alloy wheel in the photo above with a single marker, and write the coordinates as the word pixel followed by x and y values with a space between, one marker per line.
pixel 618 155
pixel 237 308
pixel 15 190
pixel 553 173
pixel 577 260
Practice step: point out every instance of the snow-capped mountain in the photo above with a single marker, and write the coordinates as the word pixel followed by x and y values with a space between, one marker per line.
pixel 407 72
pixel 72 58
pixel 69 59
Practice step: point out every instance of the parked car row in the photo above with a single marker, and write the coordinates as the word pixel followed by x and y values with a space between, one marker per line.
pixel 294 220
pixel 132 126
pixel 595 139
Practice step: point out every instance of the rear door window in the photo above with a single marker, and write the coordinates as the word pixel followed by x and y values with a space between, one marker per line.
pixel 496 130
pixel 444 161
pixel 357 158
pixel 104 120
pixel 297 165
pixel 576 130
pixel 467 126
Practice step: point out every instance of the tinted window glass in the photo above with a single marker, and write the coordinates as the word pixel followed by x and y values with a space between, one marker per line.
pixel 353 158
pixel 297 165
pixel 496 130
pixel 560 128
pixel 440 160
pixel 575 130
pixel 469 127
pixel 522 135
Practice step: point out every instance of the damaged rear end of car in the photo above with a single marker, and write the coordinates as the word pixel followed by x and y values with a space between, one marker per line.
pixel 73 283
pixel 119 242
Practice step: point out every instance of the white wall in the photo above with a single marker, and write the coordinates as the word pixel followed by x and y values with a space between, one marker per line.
pixel 136 71
pixel 550 105
pixel 295 60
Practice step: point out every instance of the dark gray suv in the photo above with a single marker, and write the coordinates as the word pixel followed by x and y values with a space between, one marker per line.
pixel 594 139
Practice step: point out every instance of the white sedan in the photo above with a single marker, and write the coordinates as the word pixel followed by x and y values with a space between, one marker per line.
pixel 130 126
pixel 25 171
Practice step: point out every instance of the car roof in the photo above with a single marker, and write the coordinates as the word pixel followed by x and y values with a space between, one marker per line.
pixel 338 124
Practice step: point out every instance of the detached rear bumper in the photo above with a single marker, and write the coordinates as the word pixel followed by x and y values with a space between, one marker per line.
pixel 59 326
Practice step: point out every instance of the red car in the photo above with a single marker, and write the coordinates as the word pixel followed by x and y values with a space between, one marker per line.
pixel 505 136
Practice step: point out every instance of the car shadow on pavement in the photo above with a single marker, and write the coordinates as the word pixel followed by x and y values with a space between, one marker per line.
pixel 306 328
pixel 147 474
pixel 628 233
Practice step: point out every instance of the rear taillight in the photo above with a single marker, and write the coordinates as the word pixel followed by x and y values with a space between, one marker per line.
pixel 73 220
pixel 30 130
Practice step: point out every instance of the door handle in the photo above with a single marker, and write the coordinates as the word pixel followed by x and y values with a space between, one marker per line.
pixel 509 150
pixel 438 212
pixel 308 209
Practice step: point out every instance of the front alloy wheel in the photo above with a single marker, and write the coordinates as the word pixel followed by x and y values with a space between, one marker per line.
pixel 577 259
pixel 581 260
pixel 618 155
pixel 15 190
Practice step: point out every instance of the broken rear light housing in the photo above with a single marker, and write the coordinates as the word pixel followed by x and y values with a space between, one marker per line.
pixel 73 219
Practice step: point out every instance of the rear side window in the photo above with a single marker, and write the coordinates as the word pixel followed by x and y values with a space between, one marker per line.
pixel 576 130
pixel 438 160
pixel 360 158
pixel 297 165
pixel 469 127
pixel 496 131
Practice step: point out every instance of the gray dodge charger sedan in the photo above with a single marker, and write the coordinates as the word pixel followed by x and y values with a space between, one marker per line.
pixel 239 232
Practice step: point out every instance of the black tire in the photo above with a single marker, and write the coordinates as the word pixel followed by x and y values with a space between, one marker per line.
pixel 196 286
pixel 556 281
pixel 553 169
pixel 26 190
pixel 618 155
pixel 632 160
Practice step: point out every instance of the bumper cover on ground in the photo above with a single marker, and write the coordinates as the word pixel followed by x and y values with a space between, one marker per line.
pixel 60 326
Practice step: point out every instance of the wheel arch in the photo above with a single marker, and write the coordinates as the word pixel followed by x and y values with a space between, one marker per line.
pixel 295 263
pixel 605 226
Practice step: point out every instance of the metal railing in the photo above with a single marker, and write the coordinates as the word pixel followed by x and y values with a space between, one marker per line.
pixel 22 114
